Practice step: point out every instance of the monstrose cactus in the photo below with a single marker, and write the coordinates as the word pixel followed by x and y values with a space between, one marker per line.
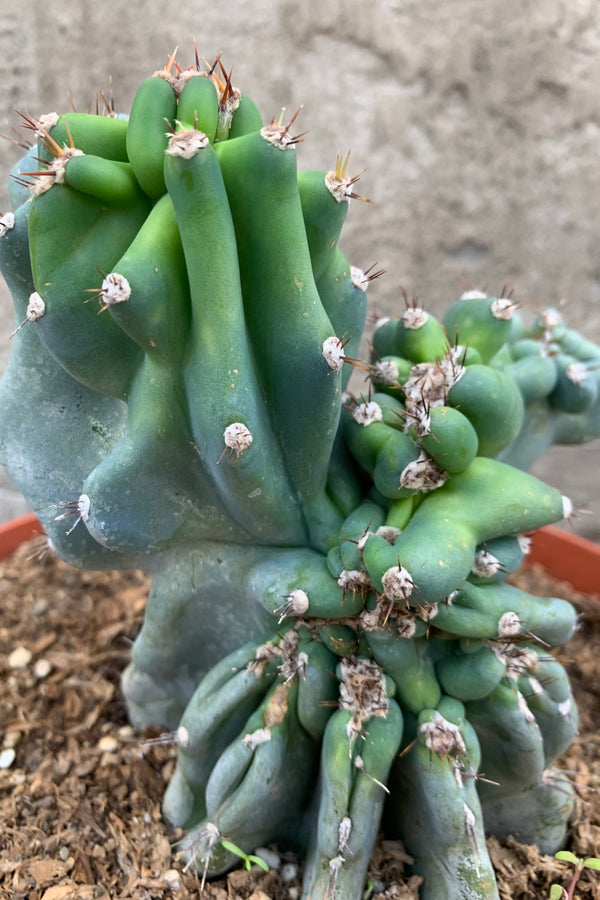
pixel 329 633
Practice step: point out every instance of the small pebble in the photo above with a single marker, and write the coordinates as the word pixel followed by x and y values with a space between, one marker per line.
pixel 41 668
pixel 19 658
pixel 272 859
pixel 11 739
pixel 108 744
pixel 289 872
pixel 40 606
pixel 64 853
pixel 293 893
pixel 7 758
pixel 171 878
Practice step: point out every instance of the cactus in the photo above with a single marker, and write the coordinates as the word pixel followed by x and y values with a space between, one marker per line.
pixel 329 602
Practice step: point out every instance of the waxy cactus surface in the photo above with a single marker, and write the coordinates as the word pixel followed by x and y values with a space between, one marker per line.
pixel 329 633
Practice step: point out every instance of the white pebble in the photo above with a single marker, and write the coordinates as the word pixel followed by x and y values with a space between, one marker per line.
pixel 19 658
pixel 7 758
pixel 42 668
pixel 171 877
pixel 64 853
pixel 108 744
pixel 272 859
pixel 11 739
pixel 293 893
pixel 289 872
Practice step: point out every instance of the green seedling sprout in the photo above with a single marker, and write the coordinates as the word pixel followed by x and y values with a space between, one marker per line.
pixel 557 892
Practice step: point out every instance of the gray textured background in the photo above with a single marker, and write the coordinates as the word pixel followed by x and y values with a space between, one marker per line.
pixel 478 123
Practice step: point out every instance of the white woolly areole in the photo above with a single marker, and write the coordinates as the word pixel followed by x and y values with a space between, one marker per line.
pixel 297 602
pixel 414 317
pixel 397 583
pixel 389 533
pixel 577 372
pixel 567 507
pixel 485 564
pixel 367 413
pixel 237 437
pixel 565 708
pixel 381 321
pixel 385 372
pixel 422 474
pixel 509 624
pixel 46 122
pixel 7 222
pixel 502 308
pixel 55 173
pixel 260 736
pixel 83 507
pixel 443 737
pixel 35 307
pixel 115 289
pixel 186 144
pixel 550 319
pixel 354 580
pixel 360 281
pixel 524 542
pixel 345 827
pixel 473 295
pixel 339 187
pixel 333 351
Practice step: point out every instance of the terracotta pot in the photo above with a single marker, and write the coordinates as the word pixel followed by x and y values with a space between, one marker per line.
pixel 563 555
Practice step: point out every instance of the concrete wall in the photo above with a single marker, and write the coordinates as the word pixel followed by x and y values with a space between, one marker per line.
pixel 479 125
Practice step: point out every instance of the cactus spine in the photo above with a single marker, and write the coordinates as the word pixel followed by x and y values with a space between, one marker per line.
pixel 329 602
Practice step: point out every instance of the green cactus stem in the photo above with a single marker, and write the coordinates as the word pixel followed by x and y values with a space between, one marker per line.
pixel 329 634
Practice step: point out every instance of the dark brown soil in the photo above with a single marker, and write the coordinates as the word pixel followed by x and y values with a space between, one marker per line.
pixel 80 802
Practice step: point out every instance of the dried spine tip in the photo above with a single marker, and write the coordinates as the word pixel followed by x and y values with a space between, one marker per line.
pixel 333 351
pixel 397 583
pixel 186 144
pixel 367 413
pixel 237 438
pixel 7 222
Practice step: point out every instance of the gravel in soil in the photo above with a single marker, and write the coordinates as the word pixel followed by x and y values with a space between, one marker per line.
pixel 80 791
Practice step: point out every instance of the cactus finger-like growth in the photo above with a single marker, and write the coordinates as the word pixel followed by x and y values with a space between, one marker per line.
pixel 329 632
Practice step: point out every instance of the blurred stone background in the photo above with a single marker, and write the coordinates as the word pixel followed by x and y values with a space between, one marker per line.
pixel 478 125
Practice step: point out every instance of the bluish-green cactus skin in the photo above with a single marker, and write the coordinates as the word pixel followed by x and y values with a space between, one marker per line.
pixel 329 634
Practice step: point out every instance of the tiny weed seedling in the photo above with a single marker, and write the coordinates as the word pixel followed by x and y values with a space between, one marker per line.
pixel 247 859
pixel 557 892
